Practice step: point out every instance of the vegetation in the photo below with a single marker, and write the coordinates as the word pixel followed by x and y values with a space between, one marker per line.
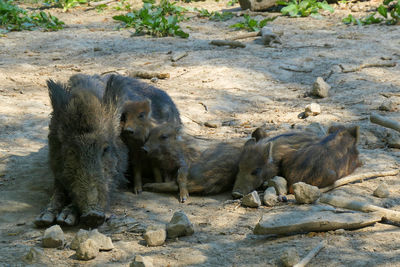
pixel 214 15
pixel 14 18
pixel 304 8
pixel 389 13
pixel 251 24
pixel 65 4
pixel 157 20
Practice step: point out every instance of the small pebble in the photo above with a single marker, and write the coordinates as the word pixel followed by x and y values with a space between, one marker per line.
pixel 312 109
pixel 179 225
pixel 382 191
pixel 53 237
pixel 251 200
pixel 290 257
pixel 270 198
pixel 280 185
pixel 305 193
pixel 387 105
pixel 87 250
pixel 141 261
pixel 155 235
pixel 320 88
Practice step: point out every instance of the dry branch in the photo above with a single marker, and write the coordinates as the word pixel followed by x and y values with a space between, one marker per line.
pixel 359 176
pixel 148 74
pixel 178 56
pixel 369 65
pixel 104 2
pixel 392 124
pixel 350 204
pixel 310 255
pixel 246 35
pixel 227 42
pixel 387 95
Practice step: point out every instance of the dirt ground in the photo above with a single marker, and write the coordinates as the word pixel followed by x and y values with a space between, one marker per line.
pixel 240 89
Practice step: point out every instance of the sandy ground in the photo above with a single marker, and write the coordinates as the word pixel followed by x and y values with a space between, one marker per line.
pixel 250 86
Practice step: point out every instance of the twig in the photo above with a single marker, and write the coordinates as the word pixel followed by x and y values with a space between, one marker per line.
pixel 227 42
pixel 311 255
pixel 295 69
pixel 199 123
pixel 178 56
pixel 148 74
pixel 356 177
pixel 104 2
pixel 387 95
pixel 110 71
pixel 350 204
pixel 369 65
pixel 204 105
pixel 392 124
pixel 246 35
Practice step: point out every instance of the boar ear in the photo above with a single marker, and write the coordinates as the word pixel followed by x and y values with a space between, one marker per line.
pixel 335 128
pixel 112 93
pixel 355 132
pixel 269 151
pixel 259 134
pixel 59 95
pixel 250 142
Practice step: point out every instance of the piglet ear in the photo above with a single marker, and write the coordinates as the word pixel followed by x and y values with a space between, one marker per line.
pixel 59 95
pixel 250 142
pixel 259 134
pixel 113 94
pixel 355 132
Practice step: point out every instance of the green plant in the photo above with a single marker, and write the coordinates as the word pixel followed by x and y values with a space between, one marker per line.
pixel 389 11
pixel 251 24
pixel 157 20
pixel 214 15
pixel 65 4
pixel 14 18
pixel 123 5
pixel 232 2
pixel 304 8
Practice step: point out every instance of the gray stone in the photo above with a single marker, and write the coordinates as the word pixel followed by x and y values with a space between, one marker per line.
pixel 312 109
pixel 256 5
pixel 34 255
pixel 290 257
pixel 104 242
pixel 87 250
pixel 270 198
pixel 53 237
pixel 121 224
pixel 141 261
pixel 305 193
pixel 313 221
pixel 155 235
pixel 251 200
pixel 212 124
pixel 382 191
pixel 179 225
pixel 320 88
pixel 80 237
pixel 280 185
pixel 393 140
pixel 268 37
pixel 387 105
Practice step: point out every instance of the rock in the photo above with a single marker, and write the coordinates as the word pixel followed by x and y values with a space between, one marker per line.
pixel 121 224
pixel 393 140
pixel 179 225
pixel 80 237
pixel 34 255
pixel 320 88
pixel 290 257
pixel 387 105
pixel 340 232
pixel 270 198
pixel 382 191
pixel 104 242
pixel 155 235
pixel 87 250
pixel 212 124
pixel 256 5
pixel 251 200
pixel 154 80
pixel 280 185
pixel 312 109
pixel 268 37
pixel 305 193
pixel 141 261
pixel 313 221
pixel 53 237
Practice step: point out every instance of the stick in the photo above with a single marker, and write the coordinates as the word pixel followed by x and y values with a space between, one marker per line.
pixel 369 65
pixel 178 56
pixel 359 176
pixel 246 35
pixel 350 204
pixel 104 2
pixel 387 95
pixel 227 42
pixel 148 74
pixel 392 124
pixel 310 255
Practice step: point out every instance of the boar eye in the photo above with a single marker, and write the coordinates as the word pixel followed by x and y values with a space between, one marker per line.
pixel 256 171
pixel 164 137
pixel 123 117
pixel 106 149
pixel 141 115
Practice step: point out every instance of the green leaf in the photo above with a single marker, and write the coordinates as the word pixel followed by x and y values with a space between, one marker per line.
pixel 382 10
pixel 326 6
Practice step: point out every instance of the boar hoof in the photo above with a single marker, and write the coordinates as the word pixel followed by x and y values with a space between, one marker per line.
pixel 237 195
pixel 183 196
pixel 137 190
pixel 45 218
pixel 93 218
pixel 68 216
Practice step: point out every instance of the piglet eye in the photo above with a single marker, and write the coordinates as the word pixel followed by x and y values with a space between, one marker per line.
pixel 123 117
pixel 142 115
pixel 164 137
pixel 106 149
pixel 256 171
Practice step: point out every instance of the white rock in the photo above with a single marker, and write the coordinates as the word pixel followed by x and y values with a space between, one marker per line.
pixel 290 257
pixel 280 185
pixel 179 225
pixel 387 105
pixel 87 250
pixel 80 237
pixel 104 242
pixel 34 255
pixel 305 193
pixel 312 109
pixel 141 261
pixel 382 191
pixel 251 200
pixel 53 237
pixel 270 198
pixel 155 235
pixel 320 88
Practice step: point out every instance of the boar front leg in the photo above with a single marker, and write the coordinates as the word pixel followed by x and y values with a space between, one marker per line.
pixel 182 183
